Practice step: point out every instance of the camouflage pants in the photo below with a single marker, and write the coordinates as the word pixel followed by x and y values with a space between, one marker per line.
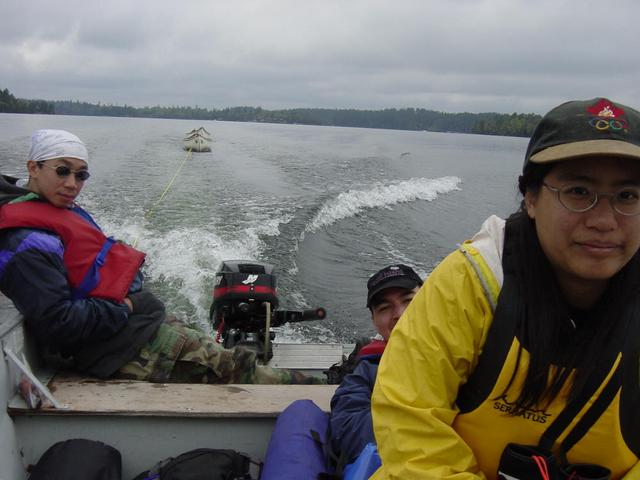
pixel 179 354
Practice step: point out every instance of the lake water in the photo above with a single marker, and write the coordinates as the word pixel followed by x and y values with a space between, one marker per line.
pixel 327 206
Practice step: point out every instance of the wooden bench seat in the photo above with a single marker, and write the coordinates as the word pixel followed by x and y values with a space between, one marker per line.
pixel 87 396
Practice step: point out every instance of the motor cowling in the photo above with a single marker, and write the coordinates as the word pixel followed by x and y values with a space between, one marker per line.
pixel 241 290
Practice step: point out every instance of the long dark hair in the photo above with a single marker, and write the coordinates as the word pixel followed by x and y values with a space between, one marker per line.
pixel 545 329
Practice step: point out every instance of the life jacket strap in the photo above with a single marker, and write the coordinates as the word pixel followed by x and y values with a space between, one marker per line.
pixel 92 278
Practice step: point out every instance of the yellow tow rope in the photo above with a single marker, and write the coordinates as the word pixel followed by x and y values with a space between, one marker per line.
pixel 147 215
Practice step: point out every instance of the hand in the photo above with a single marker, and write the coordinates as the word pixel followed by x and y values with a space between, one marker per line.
pixel 128 303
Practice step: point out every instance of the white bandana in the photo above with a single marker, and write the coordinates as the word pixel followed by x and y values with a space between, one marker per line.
pixel 48 144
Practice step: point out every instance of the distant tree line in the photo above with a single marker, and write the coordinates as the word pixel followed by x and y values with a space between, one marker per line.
pixel 11 104
pixel 515 124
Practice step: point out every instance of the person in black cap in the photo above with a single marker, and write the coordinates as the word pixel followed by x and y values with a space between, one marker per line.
pixel 390 291
pixel 526 339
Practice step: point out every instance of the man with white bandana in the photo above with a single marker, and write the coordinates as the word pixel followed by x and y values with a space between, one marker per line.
pixel 80 292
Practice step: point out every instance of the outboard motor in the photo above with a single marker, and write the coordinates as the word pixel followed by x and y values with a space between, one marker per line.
pixel 240 295
pixel 245 303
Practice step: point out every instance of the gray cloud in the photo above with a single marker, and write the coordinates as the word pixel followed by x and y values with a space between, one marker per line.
pixel 468 55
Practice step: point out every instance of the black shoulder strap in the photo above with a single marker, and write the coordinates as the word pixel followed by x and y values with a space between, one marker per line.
pixel 593 383
pixel 499 338
pixel 593 414
pixel 630 395
pixel 569 412
pixel 331 458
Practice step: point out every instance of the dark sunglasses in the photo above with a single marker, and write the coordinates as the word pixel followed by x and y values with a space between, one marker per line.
pixel 64 171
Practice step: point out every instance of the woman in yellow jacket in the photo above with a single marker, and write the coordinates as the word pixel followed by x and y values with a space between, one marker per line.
pixel 521 352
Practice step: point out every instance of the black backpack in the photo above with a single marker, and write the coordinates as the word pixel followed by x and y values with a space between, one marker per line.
pixel 201 464
pixel 78 459
pixel 336 372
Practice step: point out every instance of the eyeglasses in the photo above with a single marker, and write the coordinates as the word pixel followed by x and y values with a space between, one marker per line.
pixel 580 198
pixel 64 171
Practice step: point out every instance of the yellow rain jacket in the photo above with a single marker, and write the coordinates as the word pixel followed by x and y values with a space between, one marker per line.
pixel 435 347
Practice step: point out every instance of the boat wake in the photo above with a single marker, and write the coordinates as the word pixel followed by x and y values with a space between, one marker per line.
pixel 182 262
pixel 351 203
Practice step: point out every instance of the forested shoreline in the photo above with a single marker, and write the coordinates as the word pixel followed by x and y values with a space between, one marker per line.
pixel 417 119
pixel 11 104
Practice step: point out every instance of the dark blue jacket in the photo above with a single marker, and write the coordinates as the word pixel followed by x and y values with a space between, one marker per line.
pixel 34 277
pixel 351 427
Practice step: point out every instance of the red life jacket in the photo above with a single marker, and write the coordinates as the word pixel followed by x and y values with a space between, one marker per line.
pixel 97 266
pixel 375 347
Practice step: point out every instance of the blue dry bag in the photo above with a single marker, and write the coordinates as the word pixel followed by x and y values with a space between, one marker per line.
pixel 293 453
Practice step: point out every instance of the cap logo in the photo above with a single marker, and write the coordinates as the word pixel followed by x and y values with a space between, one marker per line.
pixel 606 116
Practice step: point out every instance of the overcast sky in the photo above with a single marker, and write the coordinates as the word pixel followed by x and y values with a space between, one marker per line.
pixel 448 55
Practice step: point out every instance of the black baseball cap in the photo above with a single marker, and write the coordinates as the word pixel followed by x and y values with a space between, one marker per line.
pixel 390 276
pixel 585 128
